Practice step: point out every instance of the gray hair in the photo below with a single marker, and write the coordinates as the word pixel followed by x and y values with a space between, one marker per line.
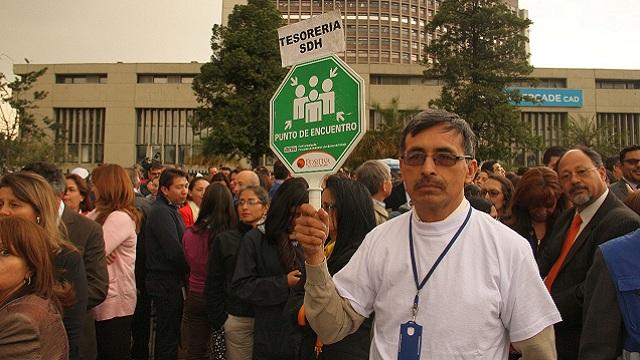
pixel 434 117
pixel 595 157
pixel 372 174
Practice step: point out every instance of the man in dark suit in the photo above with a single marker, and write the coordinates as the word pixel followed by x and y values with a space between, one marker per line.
pixel 166 265
pixel 598 216
pixel 86 235
pixel 630 164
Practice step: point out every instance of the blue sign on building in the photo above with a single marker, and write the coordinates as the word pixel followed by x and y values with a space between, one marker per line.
pixel 550 97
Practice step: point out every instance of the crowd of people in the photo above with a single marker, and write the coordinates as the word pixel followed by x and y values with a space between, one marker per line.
pixel 445 259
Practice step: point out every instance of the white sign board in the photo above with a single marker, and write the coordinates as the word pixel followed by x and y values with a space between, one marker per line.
pixel 310 39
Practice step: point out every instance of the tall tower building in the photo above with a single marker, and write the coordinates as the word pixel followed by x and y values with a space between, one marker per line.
pixel 377 31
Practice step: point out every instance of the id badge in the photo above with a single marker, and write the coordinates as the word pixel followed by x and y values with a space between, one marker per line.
pixel 410 342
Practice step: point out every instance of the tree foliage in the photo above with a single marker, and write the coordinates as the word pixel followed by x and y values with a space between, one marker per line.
pixel 235 87
pixel 478 49
pixel 23 136
pixel 585 131
pixel 383 142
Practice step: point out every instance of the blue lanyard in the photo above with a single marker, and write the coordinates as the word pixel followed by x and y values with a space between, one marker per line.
pixel 420 285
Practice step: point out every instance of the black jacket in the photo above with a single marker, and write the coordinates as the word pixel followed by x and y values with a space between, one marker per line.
pixel 354 346
pixel 70 267
pixel 165 260
pixel 220 267
pixel 144 206
pixel 261 280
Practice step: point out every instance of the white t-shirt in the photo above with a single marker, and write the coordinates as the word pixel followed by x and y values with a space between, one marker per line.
pixel 486 292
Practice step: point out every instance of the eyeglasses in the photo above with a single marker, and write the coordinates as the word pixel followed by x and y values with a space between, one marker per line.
pixel 249 202
pixel 582 174
pixel 632 162
pixel 417 158
pixel 328 206
pixel 492 193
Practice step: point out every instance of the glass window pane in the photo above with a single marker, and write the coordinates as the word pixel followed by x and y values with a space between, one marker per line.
pixel 98 156
pixel 72 155
pixel 169 154
pixel 156 152
pixel 141 153
pixel 145 79
pixel 85 154
pixel 183 155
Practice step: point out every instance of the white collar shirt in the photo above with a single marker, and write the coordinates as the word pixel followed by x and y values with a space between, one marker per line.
pixel 587 213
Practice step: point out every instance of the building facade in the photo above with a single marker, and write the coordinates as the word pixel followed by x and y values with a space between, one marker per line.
pixel 376 31
pixel 123 113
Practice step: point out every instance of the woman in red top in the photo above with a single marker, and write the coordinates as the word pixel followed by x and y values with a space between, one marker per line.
pixel 190 210
pixel 218 215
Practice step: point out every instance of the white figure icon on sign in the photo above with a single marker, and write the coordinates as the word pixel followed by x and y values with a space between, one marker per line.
pixel 313 109
pixel 328 97
pixel 316 104
pixel 298 103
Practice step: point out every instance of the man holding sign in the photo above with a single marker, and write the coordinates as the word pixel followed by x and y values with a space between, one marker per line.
pixel 444 281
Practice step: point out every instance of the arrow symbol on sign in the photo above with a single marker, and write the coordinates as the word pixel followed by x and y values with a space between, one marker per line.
pixel 294 81
pixel 287 124
pixel 333 72
pixel 340 116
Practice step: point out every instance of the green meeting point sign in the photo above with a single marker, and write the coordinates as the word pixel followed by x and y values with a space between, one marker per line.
pixel 317 117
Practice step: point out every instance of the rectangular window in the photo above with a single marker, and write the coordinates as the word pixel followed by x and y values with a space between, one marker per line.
pixel 550 127
pixel 166 78
pixel 617 84
pixel 619 129
pixel 396 79
pixel 80 135
pixel 172 139
pixel 548 83
pixel 160 80
pixel 81 78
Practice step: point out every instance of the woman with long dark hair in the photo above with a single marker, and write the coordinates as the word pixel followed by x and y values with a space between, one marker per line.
pixel 116 212
pixel 216 216
pixel 30 297
pixel 190 210
pixel 535 206
pixel 351 216
pixel 225 310
pixel 268 266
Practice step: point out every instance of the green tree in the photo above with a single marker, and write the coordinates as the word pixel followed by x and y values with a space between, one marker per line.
pixel 585 131
pixel 235 87
pixel 478 49
pixel 383 142
pixel 23 136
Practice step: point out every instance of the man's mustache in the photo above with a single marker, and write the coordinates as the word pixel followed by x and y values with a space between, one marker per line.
pixel 429 181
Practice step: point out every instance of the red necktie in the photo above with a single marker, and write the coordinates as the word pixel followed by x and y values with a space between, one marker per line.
pixel 566 247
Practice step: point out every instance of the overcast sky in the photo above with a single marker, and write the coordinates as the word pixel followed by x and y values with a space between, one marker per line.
pixel 565 33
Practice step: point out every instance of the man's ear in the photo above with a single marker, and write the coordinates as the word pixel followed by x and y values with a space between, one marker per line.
pixel 603 173
pixel 472 169
pixel 387 187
